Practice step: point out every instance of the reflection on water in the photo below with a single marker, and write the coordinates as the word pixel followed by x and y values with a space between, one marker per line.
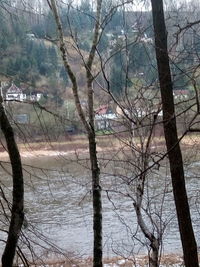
pixel 59 205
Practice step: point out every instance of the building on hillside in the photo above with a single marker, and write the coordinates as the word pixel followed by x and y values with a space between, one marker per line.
pixel 181 94
pixel 30 36
pixel 140 118
pixel 35 97
pixel 22 94
pixel 104 118
pixel 137 118
pixel 15 93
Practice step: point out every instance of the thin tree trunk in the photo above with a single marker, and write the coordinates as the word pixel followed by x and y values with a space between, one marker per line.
pixel 154 256
pixel 154 242
pixel 96 188
pixel 17 213
pixel 171 137
pixel 89 126
pixel 97 203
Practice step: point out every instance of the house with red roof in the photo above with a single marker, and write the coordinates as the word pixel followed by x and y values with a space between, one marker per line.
pixel 181 94
pixel 104 118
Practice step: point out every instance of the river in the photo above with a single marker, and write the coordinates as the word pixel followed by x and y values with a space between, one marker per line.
pixel 58 205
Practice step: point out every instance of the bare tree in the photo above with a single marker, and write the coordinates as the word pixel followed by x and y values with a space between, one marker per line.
pixel 171 137
pixel 88 125
pixel 140 119
pixel 17 211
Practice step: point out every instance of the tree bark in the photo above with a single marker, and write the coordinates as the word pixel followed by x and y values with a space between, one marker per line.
pixel 154 242
pixel 89 126
pixel 171 137
pixel 97 203
pixel 154 256
pixel 17 213
pixel 96 188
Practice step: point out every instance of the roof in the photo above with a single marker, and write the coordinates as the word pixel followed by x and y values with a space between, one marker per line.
pixel 102 110
pixel 13 89
pixel 181 92
pixel 106 117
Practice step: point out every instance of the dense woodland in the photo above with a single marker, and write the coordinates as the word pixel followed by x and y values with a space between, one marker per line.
pixel 31 59
pixel 30 55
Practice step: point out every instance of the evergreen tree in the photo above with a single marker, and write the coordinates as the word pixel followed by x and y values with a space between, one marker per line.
pixel 119 78
pixel 49 26
pixel 64 76
pixel 85 15
pixel 52 56
pixel 38 30
pixel 10 71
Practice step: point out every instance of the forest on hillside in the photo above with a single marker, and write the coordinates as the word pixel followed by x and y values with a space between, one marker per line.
pixel 30 56
pixel 126 58
pixel 99 141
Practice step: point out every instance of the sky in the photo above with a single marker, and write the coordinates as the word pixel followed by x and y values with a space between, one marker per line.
pixel 137 5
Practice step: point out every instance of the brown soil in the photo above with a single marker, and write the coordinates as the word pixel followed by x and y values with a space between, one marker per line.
pixel 80 144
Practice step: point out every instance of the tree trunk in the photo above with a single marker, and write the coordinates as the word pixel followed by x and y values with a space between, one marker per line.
pixel 97 204
pixel 96 188
pixel 89 125
pixel 154 242
pixel 171 137
pixel 17 213
pixel 153 258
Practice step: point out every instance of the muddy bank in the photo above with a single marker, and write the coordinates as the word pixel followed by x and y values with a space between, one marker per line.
pixel 173 260
pixel 79 144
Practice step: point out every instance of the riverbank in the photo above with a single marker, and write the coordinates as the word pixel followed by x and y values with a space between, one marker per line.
pixel 74 145
pixel 79 145
pixel 171 260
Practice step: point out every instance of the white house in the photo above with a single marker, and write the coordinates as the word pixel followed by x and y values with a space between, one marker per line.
pixel 15 93
pixel 35 97
pixel 30 36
